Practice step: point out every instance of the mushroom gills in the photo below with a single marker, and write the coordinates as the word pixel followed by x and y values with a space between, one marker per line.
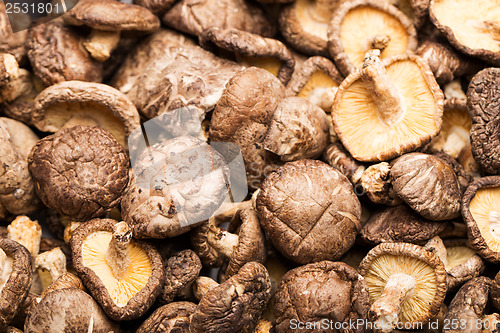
pixel 271 64
pixel 6 268
pixel 484 208
pixel 314 16
pixel 320 90
pixel 458 255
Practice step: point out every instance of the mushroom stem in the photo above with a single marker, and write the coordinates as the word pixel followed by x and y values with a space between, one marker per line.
pixel 227 210
pixel 202 285
pixel 384 92
pixel 385 311
pixel 221 240
pixel 53 261
pixel 380 42
pixel 100 44
pixel 436 246
pixel 117 256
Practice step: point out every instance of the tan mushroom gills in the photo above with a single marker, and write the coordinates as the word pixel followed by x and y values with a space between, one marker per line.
pixel 458 255
pixel 490 27
pixel 485 210
pixel 27 233
pixel 436 246
pixel 202 285
pixel 221 240
pixel 66 280
pixel 399 287
pixel 5 268
pixel 321 10
pixel 384 92
pixel 314 15
pixel 117 256
pixel 320 90
pixel 100 43
pixel 50 265
pixel 271 64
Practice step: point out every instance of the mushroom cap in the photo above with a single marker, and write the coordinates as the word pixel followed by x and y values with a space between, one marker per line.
pixel 355 25
pixel 69 310
pixel 470 30
pixel 192 17
pixel 425 267
pixel 323 290
pixel 416 10
pixel 14 291
pixel 74 103
pixel 309 211
pixel 11 42
pixel 80 171
pixel 495 291
pixel 399 224
pixel 209 256
pixel 428 185
pixel 181 269
pixel 157 7
pixel 235 305
pixel 122 299
pixel 355 115
pixel 463 263
pixel 177 184
pixel 171 318
pixel 483 104
pixel 480 204
pixel 56 55
pixel 112 15
pixel 243 115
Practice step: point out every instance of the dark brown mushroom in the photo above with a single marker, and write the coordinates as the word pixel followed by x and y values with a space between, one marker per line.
pixel 157 7
pixel 80 172
pixel 323 291
pixel 495 291
pixel 309 211
pixel 11 42
pixel 171 318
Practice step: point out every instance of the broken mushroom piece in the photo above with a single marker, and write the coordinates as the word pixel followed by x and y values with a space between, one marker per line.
pixel 322 291
pixel 473 31
pixel 387 109
pixel 50 265
pixel 108 18
pixel 235 305
pixel 73 103
pixel 9 74
pixel 309 211
pixel 171 318
pixel 482 103
pixel 406 283
pixel 362 25
pixel 377 184
pixel 125 276
pixel 26 232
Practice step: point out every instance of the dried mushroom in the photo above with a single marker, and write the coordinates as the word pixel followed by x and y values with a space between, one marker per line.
pixel 11 42
pixel 483 98
pixel 55 54
pixel 125 276
pixel 495 292
pixel 474 32
pixel 50 265
pixel 80 171
pixel 406 283
pixel 26 232
pixel 73 103
pixel 359 26
pixel 309 211
pixel 235 305
pixel 339 158
pixel 157 7
pixel 108 18
pixel 416 10
pixel 377 184
pixel 171 318
pixel 387 109
pixel 428 185
pixel 462 263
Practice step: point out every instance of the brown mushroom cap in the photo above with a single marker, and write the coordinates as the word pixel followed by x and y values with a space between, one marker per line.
pixel 235 305
pixel 16 277
pixel 194 17
pixel 80 172
pixel 171 318
pixel 495 291
pixel 157 7
pixel 69 310
pixel 56 55
pixel 428 185
pixel 124 297
pixel 309 211
pixel 181 269
pixel 11 42
pixel 483 98
pixel 416 10
pixel 399 224
pixel 72 103
pixel 319 291
pixel 480 211
pixel 387 109
pixel 361 25
pixel 463 263
pixel 406 277
pixel 473 31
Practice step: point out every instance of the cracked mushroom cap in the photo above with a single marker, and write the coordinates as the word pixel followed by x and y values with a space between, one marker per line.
pixel 399 224
pixel 11 42
pixel 73 103
pixel 235 305
pixel 171 318
pixel 359 26
pixel 69 310
pixel 462 263
pixel 124 275
pixel 387 108
pixel 428 185
pixel 181 269
pixel 56 55
pixel 309 211
pixel 80 172
pixel 406 283
pixel 192 17
pixel 15 278
pixel 324 290
pixel 483 98
pixel 473 30
pixel 480 211
pixel 177 184
pixel 17 190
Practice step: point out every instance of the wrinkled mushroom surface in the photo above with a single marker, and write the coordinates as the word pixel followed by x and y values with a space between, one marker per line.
pixel 11 42
pixel 171 318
